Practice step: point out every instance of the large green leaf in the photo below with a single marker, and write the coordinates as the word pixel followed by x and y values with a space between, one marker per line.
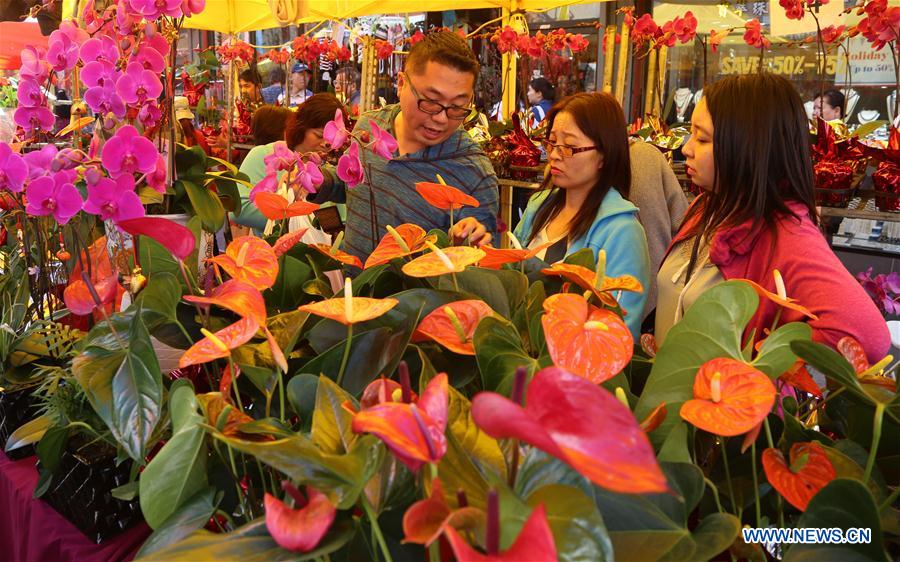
pixel 28 433
pixel 301 393
pixel 775 355
pixel 342 477
pixel 286 328
pixel 711 328
pixel 155 259
pixel 503 289
pixel 178 471
pixel 192 515
pixel 500 351
pixel 136 393
pixel 250 543
pixel 287 293
pixel 578 528
pixel 331 426
pixel 206 205
pixel 159 299
pixel 190 162
pixel 714 535
pixel 539 469
pixel 842 504
pixel 675 447
pixel 638 528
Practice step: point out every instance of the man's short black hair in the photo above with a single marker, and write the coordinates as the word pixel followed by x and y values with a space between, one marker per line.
pixel 444 47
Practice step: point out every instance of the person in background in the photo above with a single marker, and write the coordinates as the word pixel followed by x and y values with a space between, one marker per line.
pixel 250 85
pixel 436 91
pixel 346 87
pixel 300 91
pixel 540 95
pixel 268 124
pixel 584 203
pixel 756 214
pixel 186 133
pixel 274 92
pixel 301 131
pixel 829 106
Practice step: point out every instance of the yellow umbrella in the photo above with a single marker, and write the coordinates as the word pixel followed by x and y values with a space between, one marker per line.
pixel 233 16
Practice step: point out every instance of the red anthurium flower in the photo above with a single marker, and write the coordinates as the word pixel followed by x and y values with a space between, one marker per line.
pixel 453 325
pixel 870 376
pixel 730 397
pixel 498 256
pixel 220 344
pixel 413 432
pixel 854 353
pixel 535 542
pixel 798 377
pixel 275 207
pixel 384 390
pixel 810 471
pixel 251 260
pixel 649 345
pixel 426 519
pixel 590 342
pixel 445 197
pixel 214 403
pixel 337 255
pixel 655 418
pixel 561 417
pixel 586 279
pixel 300 529
pixel 81 302
pixel 178 239
pixel 442 261
pixel 406 239
pixel 781 298
pixel 288 241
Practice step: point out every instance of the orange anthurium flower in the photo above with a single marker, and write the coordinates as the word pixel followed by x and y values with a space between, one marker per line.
pixel 439 261
pixel 425 520
pixel 288 241
pixel 445 197
pixel 349 310
pixel 649 345
pixel 586 279
pixel 453 325
pixel 337 255
pixel 214 403
pixel 854 353
pixel 383 390
pixel 302 528
pixel 655 418
pixel 535 542
pixel 405 240
pixel 81 302
pixel 413 432
pixel 275 207
pixel 781 298
pixel 251 260
pixel 798 377
pixel 220 344
pixel 810 471
pixel 588 341
pixel 867 374
pixel 730 397
pixel 498 256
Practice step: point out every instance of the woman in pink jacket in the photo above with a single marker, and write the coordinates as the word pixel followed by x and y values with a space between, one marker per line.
pixel 749 152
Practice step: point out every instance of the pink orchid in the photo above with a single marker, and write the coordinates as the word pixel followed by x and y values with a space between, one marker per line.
pixel 157 178
pixel 155 40
pixel 29 94
pixel 149 114
pixel 138 84
pixel 309 177
pixel 149 58
pixel 62 52
pixel 124 20
pixel 102 49
pixel 105 99
pixel 383 144
pixel 70 29
pixel 269 184
pixel 349 167
pixel 13 169
pixel 53 196
pixel 34 66
pixel 114 199
pixel 189 7
pixel 281 159
pixel 33 119
pixel 99 73
pixel 128 152
pixel 153 9
pixel 335 132
pixel 66 159
pixel 753 35
pixel 38 161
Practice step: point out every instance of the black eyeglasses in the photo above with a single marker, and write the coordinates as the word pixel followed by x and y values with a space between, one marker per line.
pixel 432 107
pixel 565 150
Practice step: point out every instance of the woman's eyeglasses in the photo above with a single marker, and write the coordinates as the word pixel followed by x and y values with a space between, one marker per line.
pixel 432 107
pixel 565 150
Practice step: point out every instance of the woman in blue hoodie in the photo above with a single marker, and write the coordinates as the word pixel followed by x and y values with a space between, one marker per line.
pixel 584 201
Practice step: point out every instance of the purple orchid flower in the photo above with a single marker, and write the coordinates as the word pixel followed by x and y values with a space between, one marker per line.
pixel 153 9
pixel 282 158
pixel 62 52
pixel 157 178
pixel 53 195
pixel 71 30
pixel 189 7
pixel 66 159
pixel 38 161
pixel 34 67
pixel 138 84
pixel 155 40
pixel 350 168
pixel 13 169
pixel 149 114
pixel 34 119
pixel 124 20
pixel 114 199
pixel 30 94
pixel 105 99
pixel 99 49
pixel 149 58
pixel 268 184
pixel 92 175
pixel 128 152
pixel 335 131
pixel 309 176
pixel 383 143
pixel 99 73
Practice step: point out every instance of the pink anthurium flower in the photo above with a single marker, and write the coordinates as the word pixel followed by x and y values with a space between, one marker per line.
pixel 301 528
pixel 383 144
pixel 114 199
pixel 178 239
pixel 414 432
pixel 335 132
pixel 128 152
pixel 349 167
pixel 561 417
pixel 13 169
pixel 138 84
pixel 53 195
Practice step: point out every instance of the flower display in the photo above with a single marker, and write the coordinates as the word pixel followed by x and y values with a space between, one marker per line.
pixel 54 196
pixel 127 152
pixel 13 169
pixel 114 199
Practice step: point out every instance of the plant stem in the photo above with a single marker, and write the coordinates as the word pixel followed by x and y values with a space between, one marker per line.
pixel 715 492
pixel 455 284
pixel 514 463
pixel 755 485
pixel 346 356
pixel 876 438
pixel 373 522
pixel 890 500
pixel 769 433
pixel 737 510
pixel 241 496
pixel 237 394
pixel 281 395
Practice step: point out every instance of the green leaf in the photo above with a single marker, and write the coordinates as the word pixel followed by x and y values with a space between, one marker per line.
pixel 159 299
pixel 28 433
pixel 583 257
pixel 578 528
pixel 712 327
pixel 287 292
pixel 341 477
pixel 206 205
pixel 503 289
pixel 500 351
pixel 136 393
pixel 250 543
pixel 178 471
pixel 286 328
pixel 155 259
pixel 301 393
pixel 639 530
pixel 675 447
pixel 775 355
pixel 51 447
pixel 191 516
pixel 539 469
pixel 714 535
pixel 190 163
pixel 842 504
pixel 331 426
pixel 686 480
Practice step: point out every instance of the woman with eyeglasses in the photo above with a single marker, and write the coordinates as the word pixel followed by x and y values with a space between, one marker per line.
pixel 583 203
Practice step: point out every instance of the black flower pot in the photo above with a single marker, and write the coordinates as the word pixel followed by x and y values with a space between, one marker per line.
pixel 17 407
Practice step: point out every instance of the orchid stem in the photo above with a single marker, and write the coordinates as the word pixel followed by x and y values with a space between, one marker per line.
pixel 373 521
pixel 755 485
pixel 728 476
pixel 346 356
pixel 876 439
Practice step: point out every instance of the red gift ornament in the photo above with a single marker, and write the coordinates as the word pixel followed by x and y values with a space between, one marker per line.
pixel 522 151
pixel 833 166
pixel 886 178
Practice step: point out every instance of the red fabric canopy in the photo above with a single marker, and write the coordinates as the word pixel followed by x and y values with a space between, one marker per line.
pixel 15 36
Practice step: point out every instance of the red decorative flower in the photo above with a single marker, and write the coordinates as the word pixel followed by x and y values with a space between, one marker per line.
pixel 753 35
pixel 810 471
pixel 302 528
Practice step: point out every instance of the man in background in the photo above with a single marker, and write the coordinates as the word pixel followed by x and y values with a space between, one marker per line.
pixel 275 89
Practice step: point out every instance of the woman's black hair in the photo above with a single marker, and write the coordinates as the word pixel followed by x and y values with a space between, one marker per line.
pixel 315 112
pixel 761 153
pixel 543 86
pixel 250 75
pixel 268 123
pixel 600 118
pixel 835 99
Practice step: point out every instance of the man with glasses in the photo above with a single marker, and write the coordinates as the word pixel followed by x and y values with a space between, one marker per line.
pixel 436 92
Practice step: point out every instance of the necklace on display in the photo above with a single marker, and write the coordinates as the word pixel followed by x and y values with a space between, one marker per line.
pixel 867 116
pixel 683 98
